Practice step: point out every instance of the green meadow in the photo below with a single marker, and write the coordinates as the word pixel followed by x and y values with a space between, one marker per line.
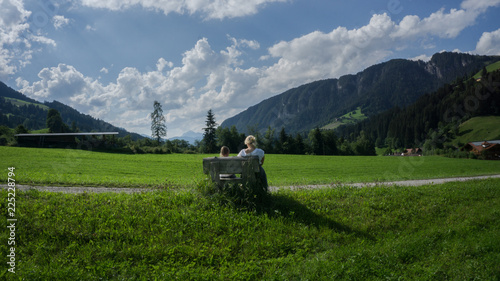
pixel 435 232
pixel 90 168
pixel 176 230
pixel 348 118
pixel 478 129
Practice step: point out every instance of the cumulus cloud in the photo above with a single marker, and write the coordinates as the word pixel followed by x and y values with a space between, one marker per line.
pixel 440 23
pixel 162 64
pixel 206 79
pixel 210 9
pixel 489 43
pixel 58 83
pixel 16 38
pixel 319 55
pixel 60 21
pixel 425 58
pixel 479 5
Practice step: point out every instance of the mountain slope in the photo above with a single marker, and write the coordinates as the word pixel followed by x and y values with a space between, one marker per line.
pixel 478 129
pixel 380 87
pixel 434 118
pixel 16 108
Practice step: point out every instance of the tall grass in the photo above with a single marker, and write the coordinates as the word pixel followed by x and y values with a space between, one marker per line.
pixel 441 232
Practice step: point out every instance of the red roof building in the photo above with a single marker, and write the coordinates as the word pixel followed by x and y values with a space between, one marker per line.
pixel 488 149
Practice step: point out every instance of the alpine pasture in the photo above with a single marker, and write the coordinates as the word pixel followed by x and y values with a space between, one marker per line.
pixel 174 230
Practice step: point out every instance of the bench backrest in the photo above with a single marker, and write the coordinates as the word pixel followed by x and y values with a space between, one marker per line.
pixel 246 166
pixel 231 165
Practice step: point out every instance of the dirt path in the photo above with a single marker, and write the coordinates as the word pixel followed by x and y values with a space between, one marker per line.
pixel 80 189
pixel 400 183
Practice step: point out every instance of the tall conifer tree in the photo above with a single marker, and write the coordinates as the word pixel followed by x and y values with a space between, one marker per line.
pixel 158 126
pixel 209 137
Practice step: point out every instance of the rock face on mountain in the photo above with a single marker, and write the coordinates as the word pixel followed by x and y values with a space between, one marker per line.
pixel 397 82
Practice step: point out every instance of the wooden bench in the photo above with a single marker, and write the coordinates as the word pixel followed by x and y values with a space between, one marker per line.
pixel 246 166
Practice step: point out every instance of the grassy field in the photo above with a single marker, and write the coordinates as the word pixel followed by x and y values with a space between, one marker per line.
pixel 479 129
pixel 23 103
pixel 88 168
pixel 435 232
pixel 348 118
pixel 442 232
pixel 490 68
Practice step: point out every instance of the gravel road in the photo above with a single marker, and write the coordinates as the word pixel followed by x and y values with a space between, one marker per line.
pixel 399 183
pixel 80 189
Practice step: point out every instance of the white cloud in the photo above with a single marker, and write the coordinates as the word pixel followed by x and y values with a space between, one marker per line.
pixel 58 83
pixel 211 9
pixel 489 43
pixel 89 28
pixel 479 5
pixel 162 64
pixel 16 38
pixel 422 58
pixel 440 23
pixel 60 21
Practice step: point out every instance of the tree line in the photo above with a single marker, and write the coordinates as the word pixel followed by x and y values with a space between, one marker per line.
pixel 316 142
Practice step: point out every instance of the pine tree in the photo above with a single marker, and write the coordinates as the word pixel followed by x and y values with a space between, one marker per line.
pixel 316 139
pixel 158 126
pixel 209 137
pixel 54 122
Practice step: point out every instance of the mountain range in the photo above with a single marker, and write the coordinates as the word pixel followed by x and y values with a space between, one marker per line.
pixel 397 82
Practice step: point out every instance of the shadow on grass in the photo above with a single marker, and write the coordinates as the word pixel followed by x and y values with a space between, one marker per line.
pixel 287 207
pixel 254 198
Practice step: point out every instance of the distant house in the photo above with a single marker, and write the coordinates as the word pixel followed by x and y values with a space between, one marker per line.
pixel 413 152
pixel 488 149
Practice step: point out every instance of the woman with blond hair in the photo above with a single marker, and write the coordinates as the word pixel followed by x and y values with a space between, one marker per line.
pixel 252 150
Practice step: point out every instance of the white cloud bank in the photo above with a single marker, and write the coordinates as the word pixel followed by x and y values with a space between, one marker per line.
pixel 210 9
pixel 211 79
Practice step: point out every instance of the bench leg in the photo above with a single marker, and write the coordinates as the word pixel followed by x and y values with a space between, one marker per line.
pixel 263 178
pixel 214 172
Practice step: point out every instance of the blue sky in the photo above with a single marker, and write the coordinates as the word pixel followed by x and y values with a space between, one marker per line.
pixel 112 59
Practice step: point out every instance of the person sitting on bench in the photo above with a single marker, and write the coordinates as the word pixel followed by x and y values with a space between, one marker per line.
pixel 224 152
pixel 252 150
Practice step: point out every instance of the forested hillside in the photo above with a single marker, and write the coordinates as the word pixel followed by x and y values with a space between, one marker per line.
pixel 433 120
pixel 17 109
pixel 396 83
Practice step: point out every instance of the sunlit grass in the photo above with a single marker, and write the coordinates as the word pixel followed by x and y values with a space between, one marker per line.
pixel 441 232
pixel 89 168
